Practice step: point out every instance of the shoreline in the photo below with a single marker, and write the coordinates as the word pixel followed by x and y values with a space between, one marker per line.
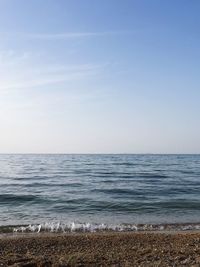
pixel 49 235
pixel 178 248
pixel 76 227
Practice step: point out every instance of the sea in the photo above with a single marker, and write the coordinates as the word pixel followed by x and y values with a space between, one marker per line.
pixel 96 192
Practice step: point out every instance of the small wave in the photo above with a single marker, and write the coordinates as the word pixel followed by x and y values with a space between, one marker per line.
pixel 151 175
pixel 16 199
pixel 73 184
pixel 58 227
pixel 10 198
pixel 118 191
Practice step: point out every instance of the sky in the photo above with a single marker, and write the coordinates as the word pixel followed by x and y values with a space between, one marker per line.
pixel 117 76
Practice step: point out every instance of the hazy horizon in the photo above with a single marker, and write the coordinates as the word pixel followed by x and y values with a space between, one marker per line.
pixel 100 154
pixel 111 77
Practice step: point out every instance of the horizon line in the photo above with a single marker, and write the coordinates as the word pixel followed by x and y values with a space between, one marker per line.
pixel 97 153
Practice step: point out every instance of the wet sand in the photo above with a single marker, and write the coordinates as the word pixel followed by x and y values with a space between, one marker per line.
pixel 101 249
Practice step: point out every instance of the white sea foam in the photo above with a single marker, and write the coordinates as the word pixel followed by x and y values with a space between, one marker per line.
pixel 59 227
pixel 73 227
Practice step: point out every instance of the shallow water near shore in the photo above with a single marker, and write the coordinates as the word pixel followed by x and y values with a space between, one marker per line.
pixel 94 192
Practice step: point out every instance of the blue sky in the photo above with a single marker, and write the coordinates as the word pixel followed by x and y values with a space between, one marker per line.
pixel 99 76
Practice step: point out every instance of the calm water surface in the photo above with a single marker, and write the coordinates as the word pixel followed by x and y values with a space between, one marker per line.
pixel 99 189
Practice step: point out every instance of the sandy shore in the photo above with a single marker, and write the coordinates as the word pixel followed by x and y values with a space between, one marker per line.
pixel 101 249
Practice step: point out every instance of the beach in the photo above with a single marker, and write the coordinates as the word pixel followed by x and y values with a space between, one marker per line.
pixel 99 210
pixel 101 249
pixel 99 133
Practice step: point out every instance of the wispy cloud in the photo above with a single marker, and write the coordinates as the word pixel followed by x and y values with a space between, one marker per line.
pixel 64 35
pixel 19 72
pixel 40 77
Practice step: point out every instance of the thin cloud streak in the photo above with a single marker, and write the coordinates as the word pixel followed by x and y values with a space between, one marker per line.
pixel 18 71
pixel 35 82
pixel 30 78
pixel 64 35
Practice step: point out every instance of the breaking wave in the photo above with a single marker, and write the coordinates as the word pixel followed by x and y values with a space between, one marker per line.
pixel 58 227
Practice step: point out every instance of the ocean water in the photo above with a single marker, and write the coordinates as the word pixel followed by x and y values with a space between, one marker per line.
pixel 98 192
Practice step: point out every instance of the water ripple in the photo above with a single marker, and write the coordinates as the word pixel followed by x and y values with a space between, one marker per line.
pixel 99 188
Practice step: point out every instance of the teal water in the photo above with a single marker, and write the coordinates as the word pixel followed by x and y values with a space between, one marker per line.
pixel 99 190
